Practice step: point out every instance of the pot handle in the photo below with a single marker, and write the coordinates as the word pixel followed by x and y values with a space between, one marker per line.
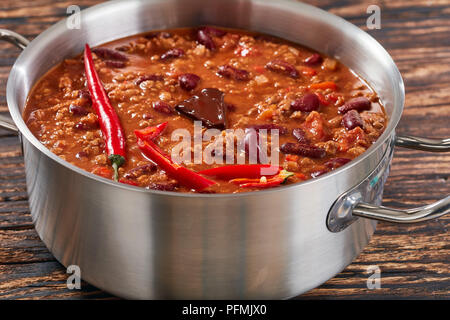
pixel 350 205
pixel 20 42
pixel 413 215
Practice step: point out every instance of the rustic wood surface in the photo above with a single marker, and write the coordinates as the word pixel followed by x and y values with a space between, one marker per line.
pixel 414 260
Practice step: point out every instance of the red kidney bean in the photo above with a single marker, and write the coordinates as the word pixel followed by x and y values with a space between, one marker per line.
pixel 77 110
pixel 151 35
pixel 81 154
pixel 309 102
pixel 336 163
pixel 230 72
pixel 136 172
pixel 268 127
pixel 81 126
pixel 172 53
pixel 169 186
pixel 109 54
pixel 165 35
pixel 115 64
pixel 162 107
pixel 303 150
pixel 188 81
pixel 313 59
pixel 352 119
pixel 358 104
pixel 206 40
pixel 214 31
pixel 147 116
pixel 300 135
pixel 152 77
pixel 283 67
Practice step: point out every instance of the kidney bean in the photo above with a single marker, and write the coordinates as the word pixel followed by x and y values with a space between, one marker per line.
pixel 136 172
pixel 283 67
pixel 214 31
pixel 230 107
pixel 207 191
pixel 172 53
pixel 162 107
pixel 358 104
pixel 230 72
pixel 352 119
pixel 313 59
pixel 169 186
pixel 115 64
pixel 81 154
pixel 188 81
pixel 109 54
pixel 303 150
pixel 206 40
pixel 165 34
pixel 84 94
pixel 309 102
pixel 336 163
pixel 300 135
pixel 152 77
pixel 268 127
pixel 77 110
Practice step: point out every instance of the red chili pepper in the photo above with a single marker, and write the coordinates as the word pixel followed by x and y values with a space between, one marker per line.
pixel 150 133
pixel 264 183
pixel 301 176
pixel 115 141
pixel 128 181
pixel 241 171
pixel 184 176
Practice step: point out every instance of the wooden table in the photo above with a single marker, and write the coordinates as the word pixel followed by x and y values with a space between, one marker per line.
pixel 414 260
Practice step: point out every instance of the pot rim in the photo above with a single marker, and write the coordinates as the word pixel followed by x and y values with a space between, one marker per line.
pixel 327 17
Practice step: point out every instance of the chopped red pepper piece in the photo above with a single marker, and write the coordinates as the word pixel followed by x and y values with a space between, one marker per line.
pixel 241 171
pixel 128 181
pixel 150 132
pixel 184 176
pixel 324 85
pixel 322 99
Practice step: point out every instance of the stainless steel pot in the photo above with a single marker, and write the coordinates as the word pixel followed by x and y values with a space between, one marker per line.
pixel 138 243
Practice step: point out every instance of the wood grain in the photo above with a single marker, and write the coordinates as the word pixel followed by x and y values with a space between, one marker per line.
pixel 414 260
